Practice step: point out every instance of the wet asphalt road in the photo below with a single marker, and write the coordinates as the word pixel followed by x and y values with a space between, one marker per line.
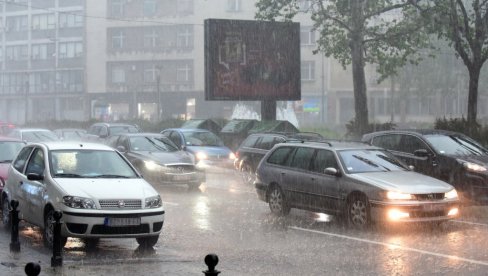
pixel 225 217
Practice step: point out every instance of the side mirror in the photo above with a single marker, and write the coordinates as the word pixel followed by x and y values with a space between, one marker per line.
pixel 121 149
pixel 332 171
pixel 35 176
pixel 421 153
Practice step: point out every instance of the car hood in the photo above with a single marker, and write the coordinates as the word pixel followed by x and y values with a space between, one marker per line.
pixel 4 170
pixel 210 151
pixel 403 181
pixel 103 188
pixel 165 157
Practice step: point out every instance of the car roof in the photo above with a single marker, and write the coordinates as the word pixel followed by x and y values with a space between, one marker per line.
pixel 189 129
pixel 332 144
pixel 32 129
pixel 65 145
pixel 113 124
pixel 416 131
pixel 70 129
pixel 138 134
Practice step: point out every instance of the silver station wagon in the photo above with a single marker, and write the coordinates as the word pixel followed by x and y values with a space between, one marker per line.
pixel 98 191
pixel 359 182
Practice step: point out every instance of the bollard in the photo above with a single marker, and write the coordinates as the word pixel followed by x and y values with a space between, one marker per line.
pixel 32 269
pixel 211 260
pixel 14 220
pixel 57 259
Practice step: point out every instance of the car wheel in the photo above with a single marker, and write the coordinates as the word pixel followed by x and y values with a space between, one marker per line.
pixel 358 212
pixel 7 223
pixel 277 202
pixel 48 231
pixel 247 174
pixel 147 241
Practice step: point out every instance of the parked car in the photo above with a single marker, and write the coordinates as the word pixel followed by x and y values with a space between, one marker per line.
pixel 359 182
pixel 158 159
pixel 70 134
pixel 5 128
pixel 9 147
pixel 98 191
pixel 449 156
pixel 255 146
pixel 207 147
pixel 98 132
pixel 32 135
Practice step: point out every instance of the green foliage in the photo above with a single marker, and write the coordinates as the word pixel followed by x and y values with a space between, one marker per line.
pixel 352 128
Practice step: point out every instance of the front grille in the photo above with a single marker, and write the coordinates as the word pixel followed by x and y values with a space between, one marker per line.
pixel 435 196
pixel 117 204
pixel 125 230
pixel 424 214
pixel 77 228
pixel 181 169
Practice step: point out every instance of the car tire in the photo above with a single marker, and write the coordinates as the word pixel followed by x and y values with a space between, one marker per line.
pixel 277 202
pixel 247 173
pixel 358 212
pixel 149 241
pixel 48 231
pixel 7 223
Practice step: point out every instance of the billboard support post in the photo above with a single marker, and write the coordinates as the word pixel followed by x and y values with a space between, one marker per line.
pixel 268 110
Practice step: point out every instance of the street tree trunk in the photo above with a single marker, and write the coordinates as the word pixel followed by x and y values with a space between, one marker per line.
pixel 474 76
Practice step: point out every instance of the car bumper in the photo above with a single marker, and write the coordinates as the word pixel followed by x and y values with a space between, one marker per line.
pixel 414 211
pixel 261 191
pixel 212 163
pixel 171 179
pixel 112 224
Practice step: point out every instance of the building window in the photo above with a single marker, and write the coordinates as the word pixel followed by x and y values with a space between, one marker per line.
pixel 183 73
pixel 17 53
pixel 233 5
pixel 307 36
pixel 69 81
pixel 151 39
pixel 185 7
pixel 43 22
pixel 118 75
pixel 42 51
pixel 118 40
pixel 150 74
pixel 185 37
pixel 150 7
pixel 70 20
pixel 117 7
pixel 70 49
pixel 308 70
pixel 17 23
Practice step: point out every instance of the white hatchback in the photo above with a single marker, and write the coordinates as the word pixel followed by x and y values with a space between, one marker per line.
pixel 98 191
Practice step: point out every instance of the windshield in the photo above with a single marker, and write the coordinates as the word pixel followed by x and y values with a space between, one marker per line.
pixel 201 138
pixel 89 164
pixel 455 145
pixel 151 144
pixel 8 150
pixel 361 161
pixel 39 136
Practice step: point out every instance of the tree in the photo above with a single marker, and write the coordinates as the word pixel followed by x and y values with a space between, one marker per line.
pixel 466 28
pixel 357 32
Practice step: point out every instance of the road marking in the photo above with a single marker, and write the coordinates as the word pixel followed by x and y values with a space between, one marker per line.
pixel 393 245
pixel 170 203
pixel 469 222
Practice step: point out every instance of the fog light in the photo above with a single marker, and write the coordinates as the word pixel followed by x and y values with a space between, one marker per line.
pixel 453 212
pixel 397 214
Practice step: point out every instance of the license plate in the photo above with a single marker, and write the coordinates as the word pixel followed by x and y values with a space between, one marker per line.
pixel 183 177
pixel 122 221
pixel 433 207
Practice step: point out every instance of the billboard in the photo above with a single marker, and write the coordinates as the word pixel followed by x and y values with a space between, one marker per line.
pixel 252 60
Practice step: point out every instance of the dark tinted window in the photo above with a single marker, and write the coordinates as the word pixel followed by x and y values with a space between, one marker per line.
pixel 21 159
pixel 390 141
pixel 302 158
pixel 36 163
pixel 280 155
pixel 411 143
pixel 250 141
pixel 324 159
pixel 265 143
pixel 175 138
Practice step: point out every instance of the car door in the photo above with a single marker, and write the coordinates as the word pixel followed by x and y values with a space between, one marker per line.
pixel 409 144
pixel 326 189
pixel 34 190
pixel 16 179
pixel 298 178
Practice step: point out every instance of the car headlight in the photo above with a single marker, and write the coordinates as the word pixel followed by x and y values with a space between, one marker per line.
pixel 452 194
pixel 151 165
pixel 154 202
pixel 474 167
pixel 79 202
pixel 232 156
pixel 201 155
pixel 398 196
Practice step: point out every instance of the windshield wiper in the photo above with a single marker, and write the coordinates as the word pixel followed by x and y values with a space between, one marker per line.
pixel 109 176
pixel 369 162
pixel 457 140
pixel 68 175
pixel 391 160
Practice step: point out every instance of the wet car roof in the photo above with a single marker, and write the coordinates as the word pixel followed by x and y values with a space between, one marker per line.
pixel 335 145
pixel 61 145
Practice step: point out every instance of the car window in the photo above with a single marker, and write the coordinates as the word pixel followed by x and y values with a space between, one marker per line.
pixel 201 138
pixel 390 141
pixel 265 143
pixel 21 159
pixel 250 141
pixel 302 158
pixel 369 160
pixel 36 163
pixel 124 141
pixel 175 138
pixel 280 155
pixel 114 130
pixel 112 141
pixel 323 159
pixel 103 131
pixel 143 143
pixel 410 144
pixel 9 149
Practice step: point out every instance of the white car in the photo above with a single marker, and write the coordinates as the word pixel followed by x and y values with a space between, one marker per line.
pixel 98 191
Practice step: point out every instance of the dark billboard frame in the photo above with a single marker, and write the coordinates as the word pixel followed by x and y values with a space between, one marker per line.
pixel 252 60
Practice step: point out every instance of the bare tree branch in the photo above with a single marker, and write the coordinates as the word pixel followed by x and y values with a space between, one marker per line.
pixel 326 15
